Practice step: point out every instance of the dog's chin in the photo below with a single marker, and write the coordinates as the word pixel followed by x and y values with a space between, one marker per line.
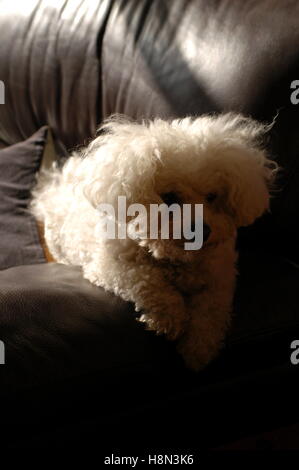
pixel 169 250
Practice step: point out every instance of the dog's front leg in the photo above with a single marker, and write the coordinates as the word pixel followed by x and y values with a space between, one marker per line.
pixel 162 306
pixel 210 314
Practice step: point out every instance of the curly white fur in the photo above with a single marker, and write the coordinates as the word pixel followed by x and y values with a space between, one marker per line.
pixel 185 294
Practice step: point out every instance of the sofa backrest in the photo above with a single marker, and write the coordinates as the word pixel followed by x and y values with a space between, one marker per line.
pixel 71 64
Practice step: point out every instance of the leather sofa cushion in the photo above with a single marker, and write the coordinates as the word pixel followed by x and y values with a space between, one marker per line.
pixel 70 345
pixel 55 324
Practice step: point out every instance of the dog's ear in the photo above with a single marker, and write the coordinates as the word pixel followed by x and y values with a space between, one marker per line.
pixel 248 195
pixel 248 190
pixel 121 161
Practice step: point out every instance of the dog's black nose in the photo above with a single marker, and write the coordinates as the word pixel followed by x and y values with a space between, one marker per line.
pixel 206 232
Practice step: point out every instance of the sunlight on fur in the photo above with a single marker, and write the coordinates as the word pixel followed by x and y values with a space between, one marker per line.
pixel 217 161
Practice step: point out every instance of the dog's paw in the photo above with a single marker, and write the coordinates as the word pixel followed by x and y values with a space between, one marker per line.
pixel 196 354
pixel 171 321
pixel 92 276
pixel 171 328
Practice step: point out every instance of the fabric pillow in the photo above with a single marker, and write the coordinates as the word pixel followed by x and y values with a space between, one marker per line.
pixel 19 239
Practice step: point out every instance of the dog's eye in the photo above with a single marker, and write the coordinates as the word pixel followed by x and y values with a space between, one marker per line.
pixel 211 197
pixel 170 198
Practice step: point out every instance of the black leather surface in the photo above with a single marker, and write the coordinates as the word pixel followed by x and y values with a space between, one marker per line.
pixel 72 64
pixel 70 345
pixel 55 324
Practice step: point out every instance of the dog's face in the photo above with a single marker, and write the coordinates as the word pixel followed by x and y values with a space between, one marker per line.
pixel 213 161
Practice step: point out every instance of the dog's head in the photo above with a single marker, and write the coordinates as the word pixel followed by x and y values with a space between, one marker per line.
pixel 214 161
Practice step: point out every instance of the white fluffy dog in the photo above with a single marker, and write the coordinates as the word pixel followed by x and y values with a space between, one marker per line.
pixel 216 161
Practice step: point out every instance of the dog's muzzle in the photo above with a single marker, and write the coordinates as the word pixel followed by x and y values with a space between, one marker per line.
pixel 206 232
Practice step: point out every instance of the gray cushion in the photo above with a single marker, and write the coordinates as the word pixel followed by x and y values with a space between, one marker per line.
pixel 19 240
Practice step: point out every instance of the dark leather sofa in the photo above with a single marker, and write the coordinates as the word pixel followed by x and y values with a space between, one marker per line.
pixel 80 370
